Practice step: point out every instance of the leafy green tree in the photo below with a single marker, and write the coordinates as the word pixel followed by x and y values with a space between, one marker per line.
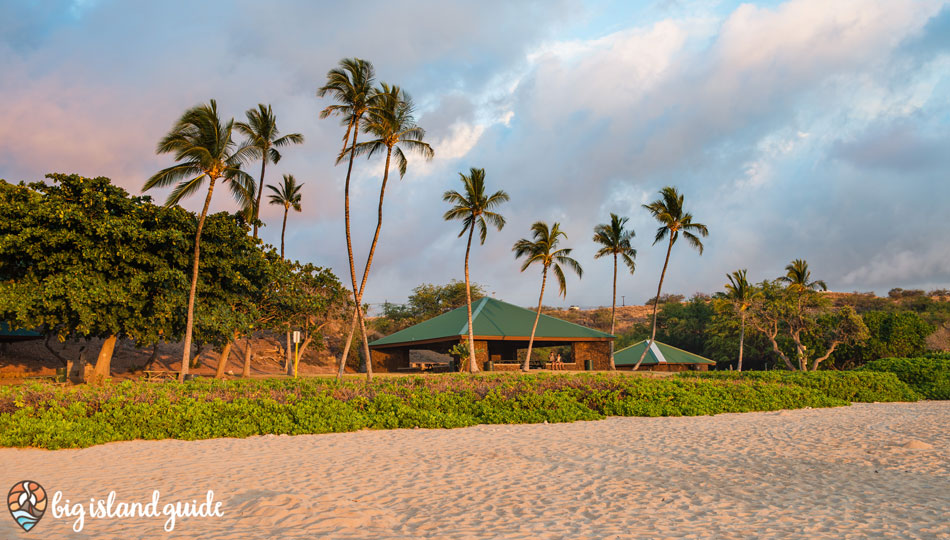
pixel 392 122
pixel 82 259
pixel 474 207
pixel 543 249
pixel 287 194
pixel 204 149
pixel 740 294
pixel 350 85
pixel 614 239
pixel 683 325
pixel 425 302
pixel 263 141
pixel 669 211
pixel 813 328
pixel 901 334
pixel 235 274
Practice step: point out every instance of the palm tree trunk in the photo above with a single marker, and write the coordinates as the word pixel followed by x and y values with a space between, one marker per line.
pixel 223 361
pixel 190 321
pixel 656 303
pixel 527 359
pixel 613 315
pixel 260 191
pixel 246 372
pixel 369 263
pixel 741 340
pixel 346 346
pixel 357 316
pixel 473 367
pixel 104 361
pixel 283 229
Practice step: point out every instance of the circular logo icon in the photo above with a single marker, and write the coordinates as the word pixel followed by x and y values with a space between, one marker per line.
pixel 27 503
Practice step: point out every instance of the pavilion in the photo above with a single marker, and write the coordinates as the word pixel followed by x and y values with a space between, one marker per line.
pixel 9 334
pixel 500 329
pixel 660 357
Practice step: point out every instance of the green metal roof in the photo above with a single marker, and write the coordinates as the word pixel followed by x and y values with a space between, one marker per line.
pixel 494 319
pixel 7 332
pixel 667 354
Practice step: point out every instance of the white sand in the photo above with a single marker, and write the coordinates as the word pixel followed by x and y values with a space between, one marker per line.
pixel 832 473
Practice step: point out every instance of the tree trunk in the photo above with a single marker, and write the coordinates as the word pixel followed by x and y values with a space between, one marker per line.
pixel 473 366
pixel 741 341
pixel 354 124
pixel 223 361
pixel 613 315
pixel 527 359
pixel 800 351
pixel 346 347
pixel 153 357
pixel 369 263
pixel 656 303
pixel 246 372
pixel 289 357
pixel 260 191
pixel 104 361
pixel 190 321
pixel 283 229
pixel 829 352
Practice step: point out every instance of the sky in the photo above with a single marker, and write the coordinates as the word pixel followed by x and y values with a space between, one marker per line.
pixel 798 129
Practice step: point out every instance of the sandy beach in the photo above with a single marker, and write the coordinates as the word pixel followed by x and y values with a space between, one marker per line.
pixel 865 471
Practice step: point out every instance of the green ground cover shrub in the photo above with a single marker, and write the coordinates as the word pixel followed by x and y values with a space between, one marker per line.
pixel 928 375
pixel 46 416
pixel 851 386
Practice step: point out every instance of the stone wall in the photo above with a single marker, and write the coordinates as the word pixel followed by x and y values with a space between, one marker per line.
pixel 598 352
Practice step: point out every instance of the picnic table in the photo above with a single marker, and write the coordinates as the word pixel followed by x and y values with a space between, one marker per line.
pixel 160 375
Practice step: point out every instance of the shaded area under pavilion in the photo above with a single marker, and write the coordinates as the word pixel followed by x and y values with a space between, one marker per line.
pixel 501 330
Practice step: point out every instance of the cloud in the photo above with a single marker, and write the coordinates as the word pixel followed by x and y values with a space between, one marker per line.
pixel 795 129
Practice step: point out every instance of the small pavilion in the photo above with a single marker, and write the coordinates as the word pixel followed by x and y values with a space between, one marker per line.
pixel 501 330
pixel 660 357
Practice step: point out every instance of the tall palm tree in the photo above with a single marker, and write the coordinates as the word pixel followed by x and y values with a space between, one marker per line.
pixel 474 208
pixel 674 220
pixel 287 194
pixel 391 121
pixel 741 293
pixel 614 239
pixel 263 140
pixel 204 149
pixel 543 249
pixel 798 277
pixel 351 86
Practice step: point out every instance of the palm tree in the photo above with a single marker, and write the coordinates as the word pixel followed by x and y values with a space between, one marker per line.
pixel 391 120
pixel 668 210
pixel 263 142
pixel 287 195
pixel 543 249
pixel 741 293
pixel 203 148
pixel 614 239
pixel 474 208
pixel 351 86
pixel 798 277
